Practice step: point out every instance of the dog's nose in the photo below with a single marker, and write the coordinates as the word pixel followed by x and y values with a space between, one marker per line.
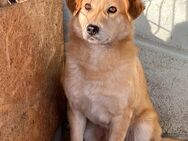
pixel 92 29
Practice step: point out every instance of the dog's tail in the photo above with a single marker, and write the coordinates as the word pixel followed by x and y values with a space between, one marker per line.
pixel 168 139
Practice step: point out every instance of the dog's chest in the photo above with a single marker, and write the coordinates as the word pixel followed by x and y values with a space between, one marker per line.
pixel 99 100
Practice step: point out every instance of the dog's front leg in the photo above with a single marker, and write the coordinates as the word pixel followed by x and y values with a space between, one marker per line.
pixel 77 123
pixel 120 125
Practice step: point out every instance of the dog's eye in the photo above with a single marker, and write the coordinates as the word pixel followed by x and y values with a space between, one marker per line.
pixel 88 6
pixel 112 10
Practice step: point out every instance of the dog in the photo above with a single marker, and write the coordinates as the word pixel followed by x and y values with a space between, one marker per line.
pixel 103 78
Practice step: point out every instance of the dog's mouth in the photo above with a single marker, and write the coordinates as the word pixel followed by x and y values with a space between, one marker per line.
pixel 97 40
pixel 96 36
pixel 93 39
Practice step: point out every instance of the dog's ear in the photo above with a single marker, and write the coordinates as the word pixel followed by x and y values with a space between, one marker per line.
pixel 74 6
pixel 136 7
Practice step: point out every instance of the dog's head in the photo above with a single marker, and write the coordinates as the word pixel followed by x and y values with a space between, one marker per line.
pixel 103 21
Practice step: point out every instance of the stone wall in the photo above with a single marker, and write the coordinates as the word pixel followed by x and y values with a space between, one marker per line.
pixel 31 44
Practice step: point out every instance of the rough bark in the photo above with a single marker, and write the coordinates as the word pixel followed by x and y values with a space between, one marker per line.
pixel 30 57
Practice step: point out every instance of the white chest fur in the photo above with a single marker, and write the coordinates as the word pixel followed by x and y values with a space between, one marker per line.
pixel 99 100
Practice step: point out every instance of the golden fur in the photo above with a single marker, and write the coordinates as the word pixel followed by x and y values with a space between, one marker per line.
pixel 104 81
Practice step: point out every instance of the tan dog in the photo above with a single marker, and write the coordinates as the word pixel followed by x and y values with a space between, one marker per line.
pixel 104 81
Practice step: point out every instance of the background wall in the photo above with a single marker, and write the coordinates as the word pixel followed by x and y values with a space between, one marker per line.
pixel 162 35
